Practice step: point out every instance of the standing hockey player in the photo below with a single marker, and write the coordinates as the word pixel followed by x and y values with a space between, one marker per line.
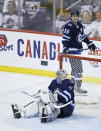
pixel 57 102
pixel 73 35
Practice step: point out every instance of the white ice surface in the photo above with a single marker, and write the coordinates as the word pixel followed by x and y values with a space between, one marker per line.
pixel 86 117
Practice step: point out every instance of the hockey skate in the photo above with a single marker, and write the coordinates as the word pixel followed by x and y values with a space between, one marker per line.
pixel 16 112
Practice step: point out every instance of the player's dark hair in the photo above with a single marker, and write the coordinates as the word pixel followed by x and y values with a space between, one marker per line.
pixel 75 12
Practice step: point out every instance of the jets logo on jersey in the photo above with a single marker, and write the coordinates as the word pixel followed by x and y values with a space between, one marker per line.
pixel 79 38
pixel 57 90
pixel 32 7
pixel 10 23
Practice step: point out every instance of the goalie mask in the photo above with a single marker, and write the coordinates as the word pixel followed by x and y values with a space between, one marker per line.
pixel 61 75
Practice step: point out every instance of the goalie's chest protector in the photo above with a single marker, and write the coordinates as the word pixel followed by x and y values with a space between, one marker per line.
pixel 61 87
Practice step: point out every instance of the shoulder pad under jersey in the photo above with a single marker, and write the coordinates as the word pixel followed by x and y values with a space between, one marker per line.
pixel 69 23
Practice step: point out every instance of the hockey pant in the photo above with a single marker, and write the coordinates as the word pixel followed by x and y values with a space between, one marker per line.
pixel 66 111
pixel 76 72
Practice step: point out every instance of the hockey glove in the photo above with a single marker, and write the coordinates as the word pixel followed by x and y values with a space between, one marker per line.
pixel 91 46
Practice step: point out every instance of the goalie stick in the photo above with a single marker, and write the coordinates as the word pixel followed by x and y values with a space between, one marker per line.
pixel 50 103
pixel 34 95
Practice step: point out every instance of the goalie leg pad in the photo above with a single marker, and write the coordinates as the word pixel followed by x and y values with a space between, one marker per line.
pixel 30 110
pixel 49 115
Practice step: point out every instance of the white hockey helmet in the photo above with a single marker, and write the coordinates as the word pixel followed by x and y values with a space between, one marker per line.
pixel 61 74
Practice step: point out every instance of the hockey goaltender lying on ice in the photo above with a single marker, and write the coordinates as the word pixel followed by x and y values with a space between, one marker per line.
pixel 55 102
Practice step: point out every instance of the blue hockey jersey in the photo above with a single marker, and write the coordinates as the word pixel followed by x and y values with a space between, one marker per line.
pixel 65 94
pixel 73 35
pixel 65 90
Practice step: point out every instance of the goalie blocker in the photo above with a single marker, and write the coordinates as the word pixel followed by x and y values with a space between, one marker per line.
pixel 57 102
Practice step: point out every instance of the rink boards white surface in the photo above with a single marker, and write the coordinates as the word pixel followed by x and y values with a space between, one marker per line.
pixel 37 53
pixel 86 117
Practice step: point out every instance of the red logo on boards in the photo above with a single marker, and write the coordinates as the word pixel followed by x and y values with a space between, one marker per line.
pixel 96 53
pixel 3 40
